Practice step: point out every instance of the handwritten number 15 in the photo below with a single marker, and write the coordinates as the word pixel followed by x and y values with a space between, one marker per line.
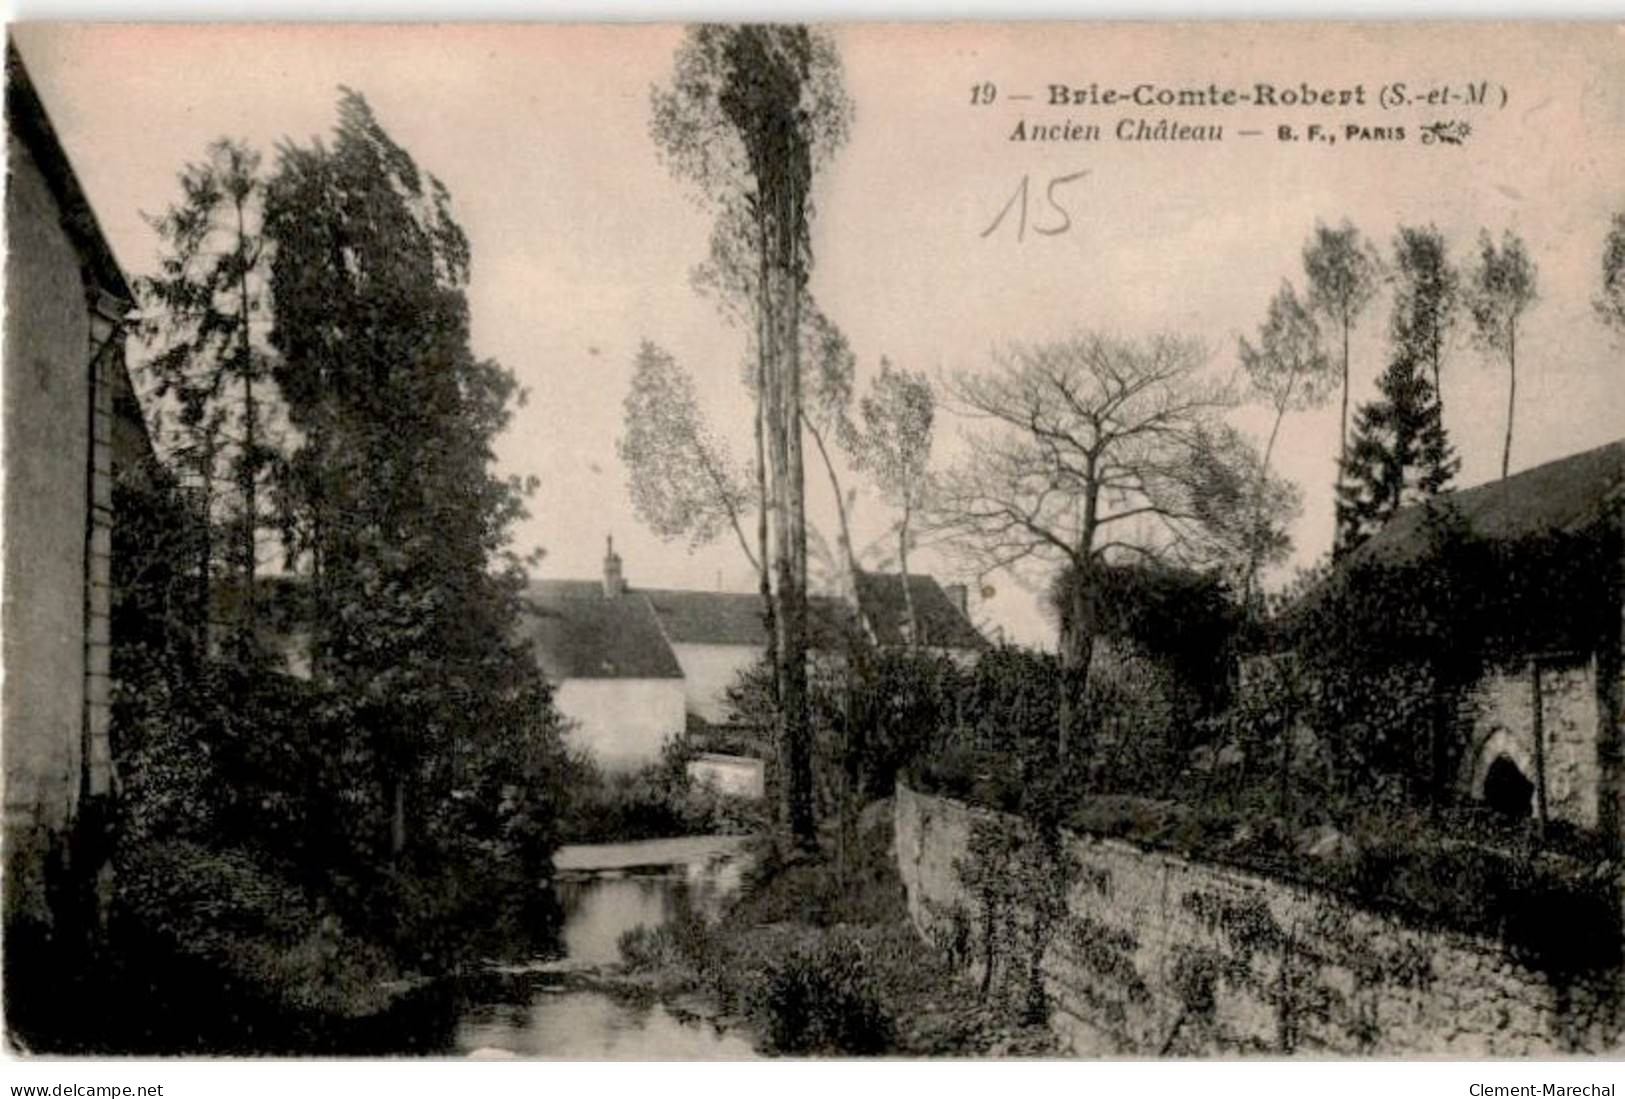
pixel 1018 202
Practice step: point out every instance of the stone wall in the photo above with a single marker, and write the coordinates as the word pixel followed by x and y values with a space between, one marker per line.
pixel 1499 714
pixel 1160 956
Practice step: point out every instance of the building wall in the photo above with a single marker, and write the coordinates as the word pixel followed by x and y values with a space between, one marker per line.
pixel 622 721
pixel 708 672
pixel 740 776
pixel 47 437
pixel 1500 715
pixel 1158 955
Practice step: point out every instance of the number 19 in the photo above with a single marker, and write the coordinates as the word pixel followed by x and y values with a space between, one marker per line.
pixel 983 93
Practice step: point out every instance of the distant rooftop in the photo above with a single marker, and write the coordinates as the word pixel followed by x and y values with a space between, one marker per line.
pixel 607 629
pixel 1568 495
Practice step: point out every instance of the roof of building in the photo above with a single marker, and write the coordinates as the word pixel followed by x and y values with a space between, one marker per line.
pixel 885 608
pixel 27 118
pixel 580 633
pixel 710 617
pixel 1568 495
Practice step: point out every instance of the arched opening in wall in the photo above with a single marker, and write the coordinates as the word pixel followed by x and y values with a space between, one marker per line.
pixel 1506 790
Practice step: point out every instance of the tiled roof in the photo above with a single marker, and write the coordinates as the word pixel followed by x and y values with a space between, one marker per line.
pixel 579 633
pixel 734 618
pixel 710 617
pixel 1567 495
pixel 942 626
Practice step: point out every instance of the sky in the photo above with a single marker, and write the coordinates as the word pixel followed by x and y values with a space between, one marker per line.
pixel 583 242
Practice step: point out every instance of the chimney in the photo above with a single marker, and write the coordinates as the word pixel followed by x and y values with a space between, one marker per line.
pixel 959 596
pixel 614 582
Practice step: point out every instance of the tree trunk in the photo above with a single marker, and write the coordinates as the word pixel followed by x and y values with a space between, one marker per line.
pixel 1343 430
pixel 908 591
pixel 1538 731
pixel 1512 394
pixel 784 403
pixel 764 350
pixel 397 818
pixel 849 560
pixel 1258 503
pixel 1077 648
pixel 803 824
pixel 249 474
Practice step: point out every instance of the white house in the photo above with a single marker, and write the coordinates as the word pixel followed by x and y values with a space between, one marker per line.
pixel 632 666
pixel 611 666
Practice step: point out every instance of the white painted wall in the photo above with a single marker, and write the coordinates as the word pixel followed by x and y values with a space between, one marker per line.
pixel 738 775
pixel 708 672
pixel 622 721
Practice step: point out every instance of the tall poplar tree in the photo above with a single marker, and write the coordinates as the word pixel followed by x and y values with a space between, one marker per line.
pixel 751 112
pixel 448 731
pixel 1287 368
pixel 895 449
pixel 1343 272
pixel 1500 288
pixel 1426 297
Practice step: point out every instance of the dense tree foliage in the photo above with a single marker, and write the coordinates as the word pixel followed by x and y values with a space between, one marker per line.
pixel 412 780
pixel 203 313
pixel 1400 454
pixel 403 528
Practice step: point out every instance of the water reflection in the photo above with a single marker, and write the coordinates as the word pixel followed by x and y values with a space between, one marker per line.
pixel 605 890
pixel 590 1026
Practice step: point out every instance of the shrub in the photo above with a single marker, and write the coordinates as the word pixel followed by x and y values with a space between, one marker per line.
pixel 257 928
pixel 655 801
pixel 819 997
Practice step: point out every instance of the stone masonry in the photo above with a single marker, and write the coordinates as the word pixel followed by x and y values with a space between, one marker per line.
pixel 1162 956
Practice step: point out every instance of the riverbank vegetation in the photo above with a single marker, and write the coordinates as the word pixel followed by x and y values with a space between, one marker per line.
pixel 658 800
pixel 1321 746
pixel 816 956
pixel 339 774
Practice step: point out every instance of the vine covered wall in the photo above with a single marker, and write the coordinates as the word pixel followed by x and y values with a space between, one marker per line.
pixel 1156 955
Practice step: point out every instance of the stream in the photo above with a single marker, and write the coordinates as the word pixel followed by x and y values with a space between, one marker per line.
pixel 549 1010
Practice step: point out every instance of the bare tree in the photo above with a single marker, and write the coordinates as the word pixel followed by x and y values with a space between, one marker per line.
pixel 1610 301
pixel 1343 271
pixel 1289 369
pixel 1083 450
pixel 681 477
pixel 1500 287
pixel 895 449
